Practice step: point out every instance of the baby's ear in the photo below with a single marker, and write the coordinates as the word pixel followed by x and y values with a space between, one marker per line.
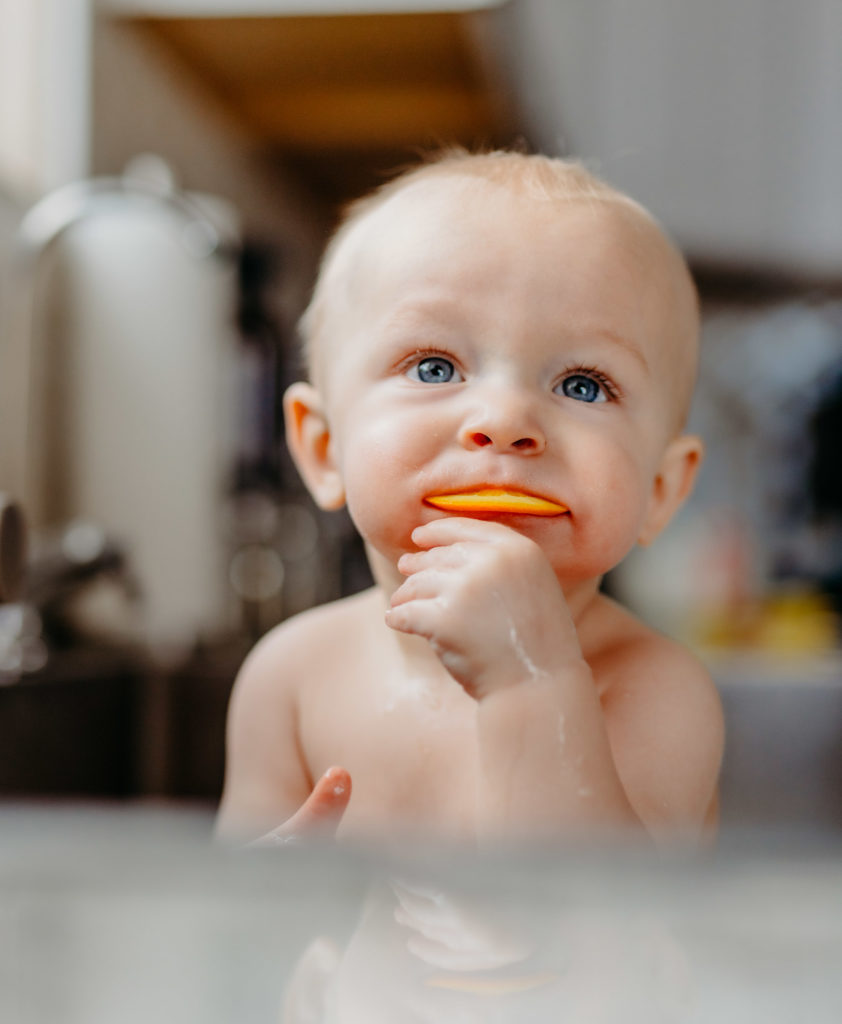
pixel 672 485
pixel 311 446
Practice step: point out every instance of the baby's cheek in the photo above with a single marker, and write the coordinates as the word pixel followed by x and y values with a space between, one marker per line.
pixel 378 485
pixel 607 526
pixel 373 506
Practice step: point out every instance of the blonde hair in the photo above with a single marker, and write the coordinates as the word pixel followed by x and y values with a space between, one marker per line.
pixel 533 176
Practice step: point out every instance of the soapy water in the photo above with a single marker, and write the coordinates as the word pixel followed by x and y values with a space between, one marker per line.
pixel 410 690
pixel 535 673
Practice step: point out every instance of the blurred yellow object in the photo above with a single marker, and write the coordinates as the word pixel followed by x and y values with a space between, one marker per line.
pixel 789 622
pixel 797 622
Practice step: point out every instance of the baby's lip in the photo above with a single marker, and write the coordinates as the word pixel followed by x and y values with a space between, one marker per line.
pixel 496 499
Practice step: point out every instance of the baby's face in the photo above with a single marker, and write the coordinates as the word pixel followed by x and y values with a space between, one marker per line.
pixel 485 340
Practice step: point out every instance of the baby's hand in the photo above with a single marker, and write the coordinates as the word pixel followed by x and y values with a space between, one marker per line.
pixel 318 817
pixel 489 603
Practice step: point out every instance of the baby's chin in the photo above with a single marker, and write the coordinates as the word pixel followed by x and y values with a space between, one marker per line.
pixel 383 563
pixel 386 525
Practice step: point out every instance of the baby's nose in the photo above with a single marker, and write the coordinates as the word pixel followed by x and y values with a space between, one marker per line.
pixel 504 426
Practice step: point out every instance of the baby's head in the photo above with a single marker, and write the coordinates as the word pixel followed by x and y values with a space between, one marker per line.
pixel 551 185
pixel 500 319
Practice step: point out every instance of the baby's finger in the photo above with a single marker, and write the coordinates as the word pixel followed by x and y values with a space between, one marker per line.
pixel 323 809
pixel 319 815
pixel 426 584
pixel 450 529
pixel 420 616
pixel 450 556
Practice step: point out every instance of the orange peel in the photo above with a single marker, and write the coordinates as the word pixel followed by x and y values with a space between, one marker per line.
pixel 496 499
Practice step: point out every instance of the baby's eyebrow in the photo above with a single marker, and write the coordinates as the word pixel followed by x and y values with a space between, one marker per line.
pixel 621 341
pixel 422 311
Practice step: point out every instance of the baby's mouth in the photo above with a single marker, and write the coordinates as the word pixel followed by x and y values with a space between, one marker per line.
pixel 496 499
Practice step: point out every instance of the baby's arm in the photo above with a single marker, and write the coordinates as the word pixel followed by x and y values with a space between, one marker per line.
pixel 268 792
pixel 658 733
pixel 552 759
pixel 665 724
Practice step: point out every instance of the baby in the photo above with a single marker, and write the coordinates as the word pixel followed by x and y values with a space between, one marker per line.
pixel 502 352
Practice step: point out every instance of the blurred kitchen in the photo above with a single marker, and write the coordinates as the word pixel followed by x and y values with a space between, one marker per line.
pixel 169 170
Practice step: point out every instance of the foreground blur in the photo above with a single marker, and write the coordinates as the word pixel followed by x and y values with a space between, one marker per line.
pixel 136 917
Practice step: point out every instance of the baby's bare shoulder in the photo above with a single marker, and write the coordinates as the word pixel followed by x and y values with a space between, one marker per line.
pixel 296 657
pixel 620 649
pixel 663 715
pixel 313 638
pixel 267 777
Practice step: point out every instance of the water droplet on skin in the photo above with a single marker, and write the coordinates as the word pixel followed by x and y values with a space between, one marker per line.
pixel 410 689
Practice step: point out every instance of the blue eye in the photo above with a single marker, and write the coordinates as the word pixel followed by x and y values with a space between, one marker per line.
pixel 433 370
pixel 582 388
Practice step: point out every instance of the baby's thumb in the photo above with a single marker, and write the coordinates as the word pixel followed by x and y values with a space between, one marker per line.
pixel 322 811
pixel 318 816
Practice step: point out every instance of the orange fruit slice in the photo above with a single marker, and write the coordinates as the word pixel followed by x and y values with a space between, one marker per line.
pixel 495 499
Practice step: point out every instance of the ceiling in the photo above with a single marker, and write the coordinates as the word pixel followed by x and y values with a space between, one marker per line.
pixel 345 99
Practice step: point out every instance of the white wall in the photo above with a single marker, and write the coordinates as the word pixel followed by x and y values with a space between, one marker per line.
pixel 722 117
pixel 144 101
pixel 133 393
pixel 10 361
pixel 9 217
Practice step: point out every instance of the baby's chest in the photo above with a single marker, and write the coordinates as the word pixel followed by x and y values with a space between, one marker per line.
pixel 412 757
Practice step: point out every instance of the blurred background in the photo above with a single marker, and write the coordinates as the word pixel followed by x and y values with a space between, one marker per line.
pixel 169 171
